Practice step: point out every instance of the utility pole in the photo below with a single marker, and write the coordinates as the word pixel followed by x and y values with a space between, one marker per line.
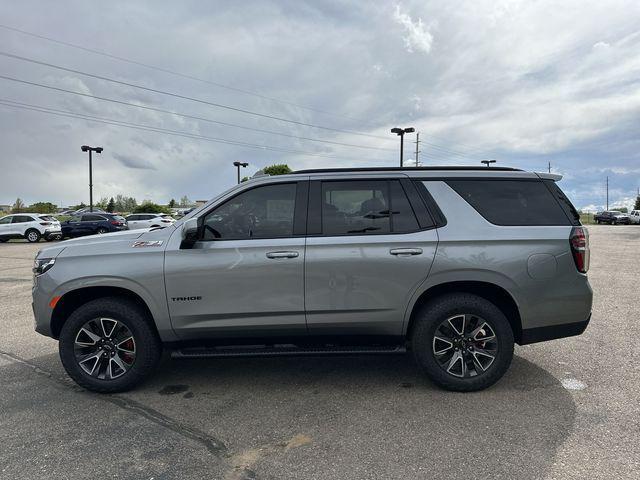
pixel 607 192
pixel 87 148
pixel 549 167
pixel 417 142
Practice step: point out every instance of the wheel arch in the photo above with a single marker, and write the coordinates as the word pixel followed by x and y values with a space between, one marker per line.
pixel 487 290
pixel 74 299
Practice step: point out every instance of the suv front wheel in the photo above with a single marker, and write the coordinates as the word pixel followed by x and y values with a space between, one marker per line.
pixel 462 342
pixel 107 345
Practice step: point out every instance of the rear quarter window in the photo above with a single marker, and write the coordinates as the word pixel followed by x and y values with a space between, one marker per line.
pixel 512 202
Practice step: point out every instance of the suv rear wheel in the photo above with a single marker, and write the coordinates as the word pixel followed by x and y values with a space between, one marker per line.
pixel 107 345
pixel 32 235
pixel 462 342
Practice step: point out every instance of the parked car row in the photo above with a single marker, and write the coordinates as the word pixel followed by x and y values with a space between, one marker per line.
pixel 613 217
pixel 35 226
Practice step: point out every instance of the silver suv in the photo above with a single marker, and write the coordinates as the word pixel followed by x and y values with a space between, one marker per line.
pixel 451 264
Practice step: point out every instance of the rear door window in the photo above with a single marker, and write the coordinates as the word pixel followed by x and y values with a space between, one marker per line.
pixel 511 202
pixel 92 218
pixel 366 207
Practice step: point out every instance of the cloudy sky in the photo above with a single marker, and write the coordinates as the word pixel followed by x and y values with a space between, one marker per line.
pixel 188 87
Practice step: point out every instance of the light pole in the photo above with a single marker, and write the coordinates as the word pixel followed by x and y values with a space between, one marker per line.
pixel 487 162
pixel 238 165
pixel 87 148
pixel 400 132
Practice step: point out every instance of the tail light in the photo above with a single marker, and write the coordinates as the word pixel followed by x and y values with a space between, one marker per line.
pixel 44 224
pixel 115 222
pixel 579 241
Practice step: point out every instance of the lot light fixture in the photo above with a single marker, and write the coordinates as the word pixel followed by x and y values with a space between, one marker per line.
pixel 238 165
pixel 87 148
pixel 400 132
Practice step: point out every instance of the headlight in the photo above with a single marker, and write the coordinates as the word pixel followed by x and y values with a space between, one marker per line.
pixel 41 265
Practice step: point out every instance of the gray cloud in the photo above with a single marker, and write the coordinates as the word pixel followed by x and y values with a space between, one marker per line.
pixel 526 83
pixel 134 162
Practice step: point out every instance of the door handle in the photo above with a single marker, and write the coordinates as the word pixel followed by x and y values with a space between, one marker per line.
pixel 405 252
pixel 282 254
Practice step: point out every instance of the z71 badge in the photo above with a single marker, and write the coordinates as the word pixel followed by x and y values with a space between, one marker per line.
pixel 149 243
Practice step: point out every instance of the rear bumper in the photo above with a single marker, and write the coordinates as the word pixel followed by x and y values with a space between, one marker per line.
pixel 551 332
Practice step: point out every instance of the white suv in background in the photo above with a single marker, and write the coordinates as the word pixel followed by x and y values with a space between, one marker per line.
pixel 149 220
pixel 32 226
pixel 634 216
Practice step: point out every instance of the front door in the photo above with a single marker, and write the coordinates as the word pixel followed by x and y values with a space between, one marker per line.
pixel 245 274
pixel 5 227
pixel 368 249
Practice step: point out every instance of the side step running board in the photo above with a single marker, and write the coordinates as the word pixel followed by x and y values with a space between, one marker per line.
pixel 283 350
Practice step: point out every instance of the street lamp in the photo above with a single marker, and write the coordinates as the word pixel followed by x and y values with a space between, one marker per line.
pixel 487 162
pixel 87 148
pixel 238 165
pixel 400 132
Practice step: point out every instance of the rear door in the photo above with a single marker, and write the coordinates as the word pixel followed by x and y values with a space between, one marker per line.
pixel 245 274
pixel 370 244
pixel 90 223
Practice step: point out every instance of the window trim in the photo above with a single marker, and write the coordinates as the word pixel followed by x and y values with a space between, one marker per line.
pixel 314 213
pixel 299 224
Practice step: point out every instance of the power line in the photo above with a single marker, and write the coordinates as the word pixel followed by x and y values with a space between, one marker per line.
pixel 177 74
pixel 137 126
pixel 193 117
pixel 186 97
pixel 240 110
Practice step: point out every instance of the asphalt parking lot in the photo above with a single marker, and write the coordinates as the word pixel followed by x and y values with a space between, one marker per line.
pixel 566 409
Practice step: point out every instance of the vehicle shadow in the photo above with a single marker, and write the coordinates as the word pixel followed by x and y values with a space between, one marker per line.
pixel 376 413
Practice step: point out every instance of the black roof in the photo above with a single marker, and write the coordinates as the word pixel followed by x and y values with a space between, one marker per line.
pixel 409 169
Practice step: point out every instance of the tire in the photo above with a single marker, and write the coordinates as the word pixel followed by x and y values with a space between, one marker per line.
pixel 479 314
pixel 32 235
pixel 146 349
pixel 102 231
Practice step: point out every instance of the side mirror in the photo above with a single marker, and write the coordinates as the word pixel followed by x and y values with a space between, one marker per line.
pixel 189 233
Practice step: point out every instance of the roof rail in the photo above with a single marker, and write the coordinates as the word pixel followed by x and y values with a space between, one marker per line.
pixel 409 169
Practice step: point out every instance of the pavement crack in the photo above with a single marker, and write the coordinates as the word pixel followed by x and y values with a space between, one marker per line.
pixel 212 444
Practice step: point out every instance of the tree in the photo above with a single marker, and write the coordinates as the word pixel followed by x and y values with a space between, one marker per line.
pixel 277 169
pixel 18 206
pixel 150 207
pixel 43 207
pixel 125 204
pixel 102 204
pixel 185 202
pixel 637 205
pixel 172 203
pixel 111 206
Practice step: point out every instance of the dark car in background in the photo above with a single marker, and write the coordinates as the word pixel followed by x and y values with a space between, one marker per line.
pixel 92 224
pixel 612 217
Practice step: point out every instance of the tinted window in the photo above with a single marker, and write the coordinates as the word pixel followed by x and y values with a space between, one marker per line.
pixel 262 212
pixel 48 218
pixel 22 219
pixel 5 220
pixel 403 219
pixel 366 206
pixel 92 218
pixel 565 203
pixel 512 202
pixel 132 218
pixel 355 207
